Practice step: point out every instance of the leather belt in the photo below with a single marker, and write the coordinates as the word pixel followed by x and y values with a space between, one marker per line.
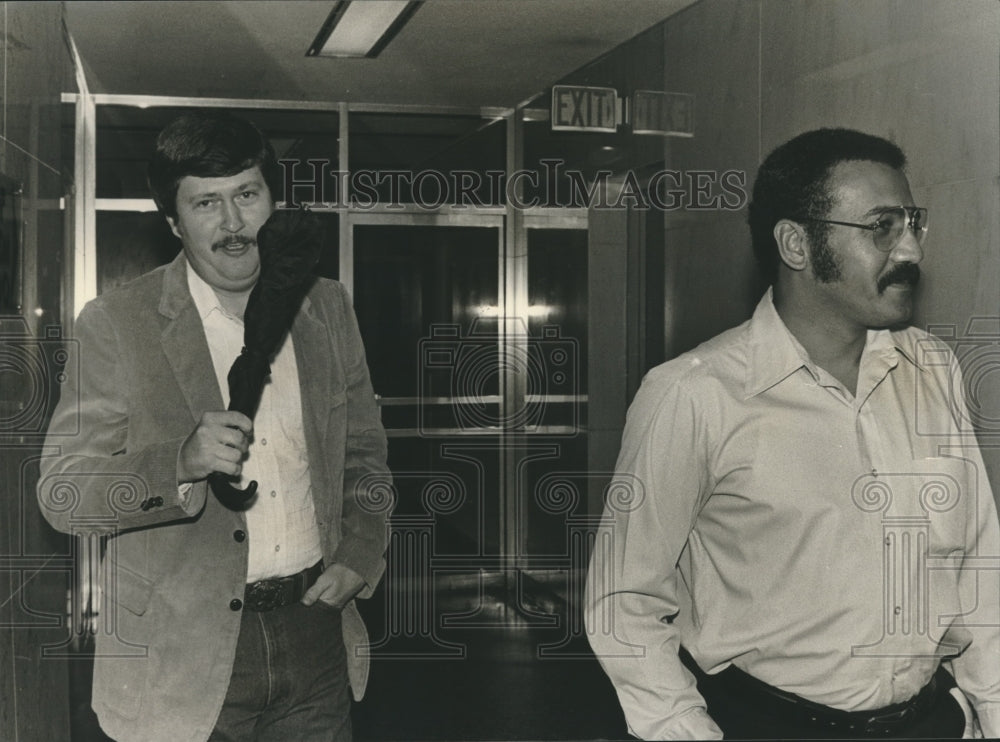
pixel 266 595
pixel 873 723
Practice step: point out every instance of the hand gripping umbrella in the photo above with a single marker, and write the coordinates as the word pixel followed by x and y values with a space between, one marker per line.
pixel 288 244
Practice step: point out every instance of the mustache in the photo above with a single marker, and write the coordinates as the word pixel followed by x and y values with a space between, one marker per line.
pixel 904 273
pixel 236 239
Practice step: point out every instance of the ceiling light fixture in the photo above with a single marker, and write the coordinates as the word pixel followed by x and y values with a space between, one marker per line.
pixel 361 29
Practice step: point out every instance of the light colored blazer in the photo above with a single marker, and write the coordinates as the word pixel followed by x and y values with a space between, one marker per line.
pixel 168 631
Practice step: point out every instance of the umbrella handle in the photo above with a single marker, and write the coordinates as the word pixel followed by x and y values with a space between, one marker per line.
pixel 232 497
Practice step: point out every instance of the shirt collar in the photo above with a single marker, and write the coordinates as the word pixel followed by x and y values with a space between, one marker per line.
pixel 774 354
pixel 884 339
pixel 205 299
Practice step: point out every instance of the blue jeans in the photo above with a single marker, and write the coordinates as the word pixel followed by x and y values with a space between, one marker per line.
pixel 289 678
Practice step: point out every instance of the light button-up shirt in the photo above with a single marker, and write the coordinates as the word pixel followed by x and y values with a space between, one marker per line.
pixel 763 516
pixel 283 535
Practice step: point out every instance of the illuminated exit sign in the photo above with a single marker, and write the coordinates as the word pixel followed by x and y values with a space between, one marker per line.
pixel 670 114
pixel 584 108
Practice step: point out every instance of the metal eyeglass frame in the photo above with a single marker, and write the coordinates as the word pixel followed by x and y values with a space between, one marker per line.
pixel 912 213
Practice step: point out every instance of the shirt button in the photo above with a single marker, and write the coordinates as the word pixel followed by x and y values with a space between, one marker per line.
pixel 235 604
pixel 897 610
pixel 277 548
pixel 263 441
pixel 239 536
pixel 273 493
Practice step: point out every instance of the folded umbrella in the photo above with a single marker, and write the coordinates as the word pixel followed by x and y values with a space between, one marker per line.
pixel 289 244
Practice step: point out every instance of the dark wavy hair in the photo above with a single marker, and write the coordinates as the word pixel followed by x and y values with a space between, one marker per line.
pixel 792 183
pixel 208 144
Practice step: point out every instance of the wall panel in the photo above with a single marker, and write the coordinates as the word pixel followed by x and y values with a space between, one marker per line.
pixel 924 73
pixel 711 278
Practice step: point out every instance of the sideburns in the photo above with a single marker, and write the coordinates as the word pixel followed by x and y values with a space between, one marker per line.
pixel 825 265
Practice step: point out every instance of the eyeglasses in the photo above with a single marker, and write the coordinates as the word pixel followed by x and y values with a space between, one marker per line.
pixel 888 228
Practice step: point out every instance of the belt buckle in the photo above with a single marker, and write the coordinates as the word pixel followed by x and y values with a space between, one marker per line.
pixel 888 723
pixel 264 595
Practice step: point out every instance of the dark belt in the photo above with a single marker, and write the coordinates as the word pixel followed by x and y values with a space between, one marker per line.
pixel 266 595
pixel 876 722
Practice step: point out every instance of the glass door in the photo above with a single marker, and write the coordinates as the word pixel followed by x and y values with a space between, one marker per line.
pixel 485 415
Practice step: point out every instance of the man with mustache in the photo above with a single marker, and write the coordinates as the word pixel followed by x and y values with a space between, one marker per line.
pixel 228 624
pixel 785 547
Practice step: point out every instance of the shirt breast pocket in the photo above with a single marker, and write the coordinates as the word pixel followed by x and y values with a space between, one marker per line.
pixel 937 493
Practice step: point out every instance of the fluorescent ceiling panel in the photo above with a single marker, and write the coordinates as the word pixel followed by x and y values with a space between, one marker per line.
pixel 359 27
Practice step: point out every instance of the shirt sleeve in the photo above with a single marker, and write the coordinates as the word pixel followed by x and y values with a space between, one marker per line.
pixel 660 483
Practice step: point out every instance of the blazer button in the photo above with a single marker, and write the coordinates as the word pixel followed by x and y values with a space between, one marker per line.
pixel 239 536
pixel 235 604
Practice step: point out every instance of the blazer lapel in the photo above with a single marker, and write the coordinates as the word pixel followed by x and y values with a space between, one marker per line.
pixel 184 343
pixel 310 339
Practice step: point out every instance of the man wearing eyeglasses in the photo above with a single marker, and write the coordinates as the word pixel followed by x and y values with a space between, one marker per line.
pixel 800 510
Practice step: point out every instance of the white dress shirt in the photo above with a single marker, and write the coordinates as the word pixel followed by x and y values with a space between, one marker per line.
pixel 282 533
pixel 764 516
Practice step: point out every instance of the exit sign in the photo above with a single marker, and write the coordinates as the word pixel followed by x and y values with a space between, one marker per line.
pixel 654 112
pixel 584 108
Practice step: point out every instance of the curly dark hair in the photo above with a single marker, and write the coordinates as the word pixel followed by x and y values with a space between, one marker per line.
pixel 207 144
pixel 792 183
